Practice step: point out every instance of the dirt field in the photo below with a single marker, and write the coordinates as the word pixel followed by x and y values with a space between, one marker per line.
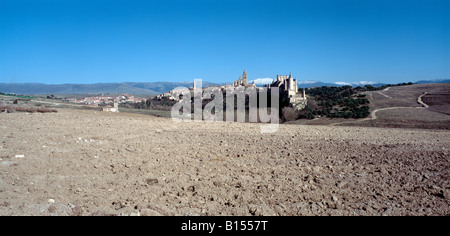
pixel 78 162
pixel 438 101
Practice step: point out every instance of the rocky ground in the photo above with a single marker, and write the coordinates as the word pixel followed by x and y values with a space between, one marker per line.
pixel 77 162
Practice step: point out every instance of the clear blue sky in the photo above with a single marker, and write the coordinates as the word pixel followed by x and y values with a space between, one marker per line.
pixel 78 41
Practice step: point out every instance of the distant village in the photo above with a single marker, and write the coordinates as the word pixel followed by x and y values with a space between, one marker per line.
pixel 102 99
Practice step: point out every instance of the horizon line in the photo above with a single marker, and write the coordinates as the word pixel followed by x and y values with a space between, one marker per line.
pixel 315 81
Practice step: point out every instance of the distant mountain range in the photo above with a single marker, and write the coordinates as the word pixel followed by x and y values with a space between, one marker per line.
pixel 435 81
pixel 153 88
pixel 141 88
pixel 311 84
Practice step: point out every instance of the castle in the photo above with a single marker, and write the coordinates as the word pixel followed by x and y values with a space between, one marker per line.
pixel 287 86
pixel 289 91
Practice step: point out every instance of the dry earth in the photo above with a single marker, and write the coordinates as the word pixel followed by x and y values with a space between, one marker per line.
pixel 422 106
pixel 78 162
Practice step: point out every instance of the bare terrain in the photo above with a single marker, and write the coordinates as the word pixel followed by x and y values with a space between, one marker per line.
pixel 83 162
pixel 420 106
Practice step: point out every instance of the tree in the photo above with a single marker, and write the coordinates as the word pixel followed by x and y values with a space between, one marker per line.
pixel 369 87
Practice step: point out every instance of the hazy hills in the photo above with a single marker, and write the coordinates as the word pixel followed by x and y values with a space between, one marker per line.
pixel 311 84
pixel 150 88
pixel 433 81
pixel 143 88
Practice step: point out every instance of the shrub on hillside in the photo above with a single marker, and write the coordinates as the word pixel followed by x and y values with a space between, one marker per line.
pixel 288 114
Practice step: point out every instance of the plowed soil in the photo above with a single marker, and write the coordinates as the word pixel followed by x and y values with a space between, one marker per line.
pixel 78 162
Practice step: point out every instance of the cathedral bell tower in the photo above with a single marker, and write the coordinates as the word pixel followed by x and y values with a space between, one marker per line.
pixel 244 78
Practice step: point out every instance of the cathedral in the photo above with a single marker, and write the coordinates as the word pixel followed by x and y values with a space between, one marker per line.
pixel 241 81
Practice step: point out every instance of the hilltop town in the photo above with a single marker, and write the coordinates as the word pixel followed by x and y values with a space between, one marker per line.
pixel 287 84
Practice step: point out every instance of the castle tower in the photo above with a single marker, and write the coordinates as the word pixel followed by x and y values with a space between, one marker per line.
pixel 291 83
pixel 286 81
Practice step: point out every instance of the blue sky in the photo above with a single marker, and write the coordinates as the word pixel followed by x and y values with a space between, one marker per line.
pixel 68 41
